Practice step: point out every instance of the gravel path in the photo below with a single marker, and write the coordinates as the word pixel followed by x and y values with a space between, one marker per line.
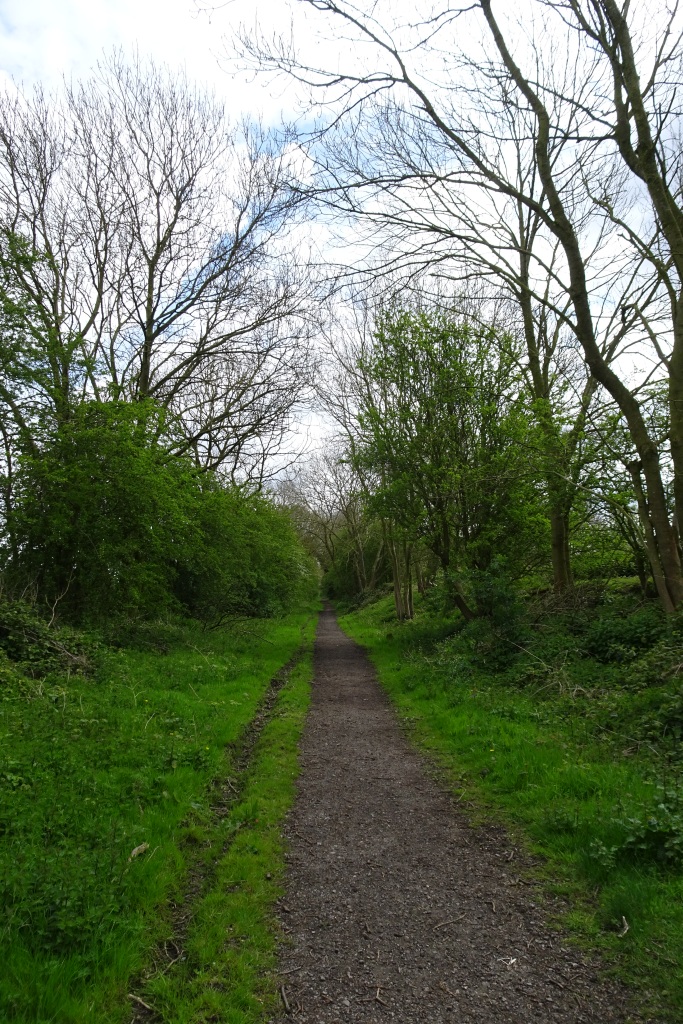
pixel 395 907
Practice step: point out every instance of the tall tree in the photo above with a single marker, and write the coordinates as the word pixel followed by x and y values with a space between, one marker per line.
pixel 443 426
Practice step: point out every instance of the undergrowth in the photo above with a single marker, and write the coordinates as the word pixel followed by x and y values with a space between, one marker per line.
pixel 569 725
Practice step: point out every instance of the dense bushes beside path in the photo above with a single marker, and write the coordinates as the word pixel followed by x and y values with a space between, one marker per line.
pixel 105 522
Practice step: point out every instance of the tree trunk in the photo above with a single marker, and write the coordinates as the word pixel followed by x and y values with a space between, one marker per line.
pixel 395 571
pixel 559 534
pixel 408 581
pixel 651 546
pixel 420 579
pixel 372 582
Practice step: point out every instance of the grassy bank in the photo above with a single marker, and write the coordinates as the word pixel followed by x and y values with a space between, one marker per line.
pixel 572 755
pixel 108 813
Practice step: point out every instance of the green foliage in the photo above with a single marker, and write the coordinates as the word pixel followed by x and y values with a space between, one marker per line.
pixel 107 523
pixel 37 648
pixel 102 515
pixel 444 434
pixel 599 552
pixel 249 560
pixel 622 637
pixel 654 834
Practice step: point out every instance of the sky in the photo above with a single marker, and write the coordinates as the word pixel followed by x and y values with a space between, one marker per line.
pixel 43 40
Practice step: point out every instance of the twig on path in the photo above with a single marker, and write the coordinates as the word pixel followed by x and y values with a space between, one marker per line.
pixel 292 970
pixel 303 838
pixel 444 988
pixel 141 1002
pixel 285 1001
pixel 452 920
pixel 374 999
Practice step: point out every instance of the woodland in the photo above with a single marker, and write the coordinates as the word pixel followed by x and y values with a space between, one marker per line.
pixel 464 263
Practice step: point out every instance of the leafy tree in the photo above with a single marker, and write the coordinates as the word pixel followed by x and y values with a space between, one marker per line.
pixel 444 428
pixel 102 515
pixel 248 559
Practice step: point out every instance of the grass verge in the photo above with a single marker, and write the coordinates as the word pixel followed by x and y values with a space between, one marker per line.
pixel 598 815
pixel 107 785
pixel 229 950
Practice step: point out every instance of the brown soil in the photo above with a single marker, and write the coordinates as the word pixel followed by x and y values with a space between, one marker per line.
pixel 395 906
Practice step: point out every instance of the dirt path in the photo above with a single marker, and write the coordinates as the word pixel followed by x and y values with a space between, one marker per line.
pixel 396 907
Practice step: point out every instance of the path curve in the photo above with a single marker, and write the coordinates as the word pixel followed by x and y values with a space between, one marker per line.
pixel 395 907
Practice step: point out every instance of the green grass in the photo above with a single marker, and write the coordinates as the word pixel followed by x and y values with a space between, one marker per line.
pixel 232 939
pixel 539 758
pixel 92 769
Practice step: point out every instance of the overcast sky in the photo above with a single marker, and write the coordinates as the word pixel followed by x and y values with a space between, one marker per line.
pixel 43 40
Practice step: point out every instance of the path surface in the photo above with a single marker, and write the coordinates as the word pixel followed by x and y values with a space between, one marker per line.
pixel 395 907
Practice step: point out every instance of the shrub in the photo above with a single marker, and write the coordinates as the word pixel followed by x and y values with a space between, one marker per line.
pixel 620 638
pixel 655 835
pixel 107 524
pixel 30 646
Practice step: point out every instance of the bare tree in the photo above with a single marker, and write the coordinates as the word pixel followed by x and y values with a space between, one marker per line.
pixel 328 498
pixel 159 258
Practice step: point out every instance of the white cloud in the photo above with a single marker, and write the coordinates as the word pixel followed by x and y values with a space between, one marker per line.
pixel 42 41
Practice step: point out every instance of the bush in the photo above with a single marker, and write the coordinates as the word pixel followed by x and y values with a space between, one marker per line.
pixel 249 560
pixel 620 638
pixel 107 524
pixel 102 515
pixel 655 835
pixel 30 646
